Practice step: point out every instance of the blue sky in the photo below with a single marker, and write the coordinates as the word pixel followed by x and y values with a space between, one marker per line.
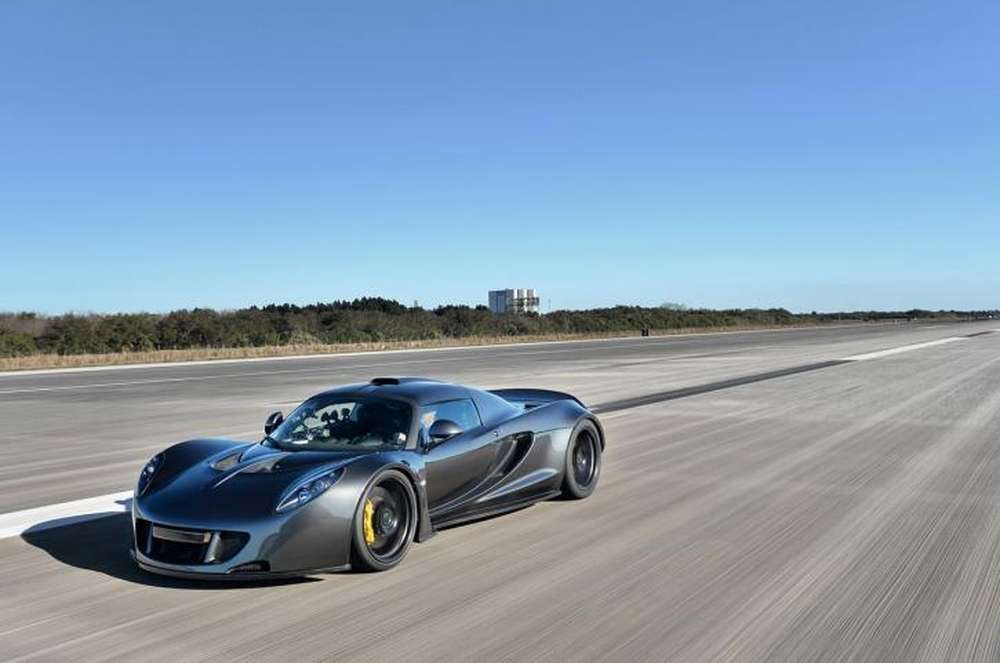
pixel 157 155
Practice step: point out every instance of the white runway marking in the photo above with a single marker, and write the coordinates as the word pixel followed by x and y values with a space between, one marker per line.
pixel 41 518
pixel 903 348
pixel 221 376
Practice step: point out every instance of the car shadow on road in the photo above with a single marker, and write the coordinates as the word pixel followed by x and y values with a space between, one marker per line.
pixel 100 542
pixel 102 545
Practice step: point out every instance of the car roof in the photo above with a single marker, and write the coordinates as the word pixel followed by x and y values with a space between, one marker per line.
pixel 419 391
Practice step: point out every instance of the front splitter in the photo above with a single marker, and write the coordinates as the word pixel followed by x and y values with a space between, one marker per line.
pixel 232 577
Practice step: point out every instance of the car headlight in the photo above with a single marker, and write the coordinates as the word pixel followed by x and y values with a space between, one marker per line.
pixel 307 490
pixel 151 467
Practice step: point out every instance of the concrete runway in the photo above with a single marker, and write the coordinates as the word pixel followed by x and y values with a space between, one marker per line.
pixel 847 512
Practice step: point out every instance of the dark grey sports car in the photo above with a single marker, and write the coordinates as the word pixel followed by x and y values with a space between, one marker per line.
pixel 357 473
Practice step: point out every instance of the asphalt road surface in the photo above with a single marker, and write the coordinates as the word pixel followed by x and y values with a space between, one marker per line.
pixel 824 494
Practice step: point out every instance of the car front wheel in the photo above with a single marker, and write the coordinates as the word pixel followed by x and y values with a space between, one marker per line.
pixel 384 522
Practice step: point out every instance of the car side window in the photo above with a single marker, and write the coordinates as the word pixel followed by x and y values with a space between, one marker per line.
pixel 463 412
pixel 494 409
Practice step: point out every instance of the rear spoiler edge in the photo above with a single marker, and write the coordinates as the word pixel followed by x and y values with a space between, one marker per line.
pixel 532 398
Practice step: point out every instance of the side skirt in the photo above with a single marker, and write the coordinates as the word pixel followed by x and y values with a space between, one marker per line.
pixel 479 514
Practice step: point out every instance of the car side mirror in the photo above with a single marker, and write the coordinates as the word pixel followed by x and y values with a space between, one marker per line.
pixel 443 429
pixel 273 421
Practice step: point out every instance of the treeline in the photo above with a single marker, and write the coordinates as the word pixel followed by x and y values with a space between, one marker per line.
pixel 369 319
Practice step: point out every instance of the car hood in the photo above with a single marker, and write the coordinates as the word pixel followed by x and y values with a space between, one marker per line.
pixel 244 481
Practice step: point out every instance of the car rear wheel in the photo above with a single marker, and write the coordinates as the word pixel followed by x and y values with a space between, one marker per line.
pixel 583 461
pixel 384 522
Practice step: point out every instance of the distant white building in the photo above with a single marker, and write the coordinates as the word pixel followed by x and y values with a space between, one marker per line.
pixel 514 300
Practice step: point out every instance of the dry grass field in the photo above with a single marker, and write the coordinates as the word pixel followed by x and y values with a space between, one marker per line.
pixel 45 361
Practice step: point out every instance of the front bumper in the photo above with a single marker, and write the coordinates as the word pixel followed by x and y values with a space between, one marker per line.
pixel 310 539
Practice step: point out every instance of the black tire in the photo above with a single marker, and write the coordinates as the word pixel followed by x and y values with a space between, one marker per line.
pixel 583 461
pixel 392 522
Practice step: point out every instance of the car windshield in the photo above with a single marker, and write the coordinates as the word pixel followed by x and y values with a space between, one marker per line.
pixel 338 423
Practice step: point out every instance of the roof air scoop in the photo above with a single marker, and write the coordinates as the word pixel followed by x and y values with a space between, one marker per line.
pixel 381 381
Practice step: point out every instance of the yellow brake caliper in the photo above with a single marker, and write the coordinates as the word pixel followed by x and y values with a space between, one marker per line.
pixel 366 526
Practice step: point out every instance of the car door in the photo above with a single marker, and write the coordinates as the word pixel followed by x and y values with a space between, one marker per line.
pixel 456 466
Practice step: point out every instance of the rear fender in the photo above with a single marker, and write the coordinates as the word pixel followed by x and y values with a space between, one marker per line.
pixel 557 419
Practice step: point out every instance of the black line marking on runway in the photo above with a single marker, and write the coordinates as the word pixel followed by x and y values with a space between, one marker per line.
pixel 674 394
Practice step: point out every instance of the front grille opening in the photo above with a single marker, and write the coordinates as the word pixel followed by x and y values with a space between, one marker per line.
pixel 175 545
pixel 141 533
pixel 174 552
pixel 232 543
